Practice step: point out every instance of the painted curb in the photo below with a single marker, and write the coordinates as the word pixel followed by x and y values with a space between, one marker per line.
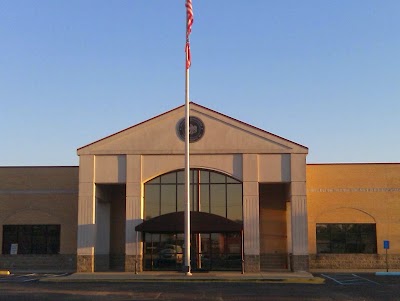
pixel 315 280
pixel 4 272
pixel 387 273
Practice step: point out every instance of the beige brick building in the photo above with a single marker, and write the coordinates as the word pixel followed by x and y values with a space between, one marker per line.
pixel 355 194
pixel 34 196
pixel 253 198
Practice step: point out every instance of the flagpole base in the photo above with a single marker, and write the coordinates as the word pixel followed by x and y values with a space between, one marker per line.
pixel 186 270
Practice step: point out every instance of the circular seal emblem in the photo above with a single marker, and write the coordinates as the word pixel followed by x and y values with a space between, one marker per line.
pixel 196 129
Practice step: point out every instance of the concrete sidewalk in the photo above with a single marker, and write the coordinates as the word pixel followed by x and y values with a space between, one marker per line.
pixel 285 277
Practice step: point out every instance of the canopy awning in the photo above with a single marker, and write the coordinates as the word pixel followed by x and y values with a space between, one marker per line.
pixel 200 222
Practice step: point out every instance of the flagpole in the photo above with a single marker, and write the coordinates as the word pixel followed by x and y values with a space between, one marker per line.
pixel 187 181
pixel 189 21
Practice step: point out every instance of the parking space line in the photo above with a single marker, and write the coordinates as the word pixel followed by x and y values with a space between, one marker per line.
pixel 365 279
pixel 326 276
pixel 348 279
pixel 57 275
pixel 30 280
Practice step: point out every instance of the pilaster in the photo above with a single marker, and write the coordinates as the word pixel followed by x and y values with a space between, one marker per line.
pixel 133 245
pixel 86 214
pixel 251 213
pixel 298 209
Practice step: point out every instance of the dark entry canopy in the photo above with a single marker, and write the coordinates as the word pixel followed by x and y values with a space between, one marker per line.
pixel 200 222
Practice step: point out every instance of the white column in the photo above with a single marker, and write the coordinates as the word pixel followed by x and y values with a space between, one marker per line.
pixel 251 213
pixel 298 199
pixel 251 222
pixel 299 220
pixel 299 224
pixel 134 215
pixel 86 214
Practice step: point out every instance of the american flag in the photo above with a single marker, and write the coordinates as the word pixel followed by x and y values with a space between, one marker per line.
pixel 189 23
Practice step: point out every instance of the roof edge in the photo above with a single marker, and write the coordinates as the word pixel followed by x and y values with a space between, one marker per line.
pixel 128 128
pixel 357 163
pixel 252 126
pixel 200 106
pixel 41 166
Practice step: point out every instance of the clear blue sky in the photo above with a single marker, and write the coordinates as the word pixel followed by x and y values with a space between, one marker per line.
pixel 325 74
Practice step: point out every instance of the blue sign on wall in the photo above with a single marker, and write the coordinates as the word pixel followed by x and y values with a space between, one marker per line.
pixel 386 244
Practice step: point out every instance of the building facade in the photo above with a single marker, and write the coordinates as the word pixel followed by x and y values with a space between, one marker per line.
pixel 255 204
pixel 38 217
pixel 352 210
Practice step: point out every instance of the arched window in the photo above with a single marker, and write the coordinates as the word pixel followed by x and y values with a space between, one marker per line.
pixel 210 192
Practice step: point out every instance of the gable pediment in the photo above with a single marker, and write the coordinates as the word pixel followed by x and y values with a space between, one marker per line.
pixel 222 134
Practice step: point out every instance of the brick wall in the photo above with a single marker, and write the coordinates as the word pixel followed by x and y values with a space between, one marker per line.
pixel 353 261
pixel 32 263
pixel 41 195
pixel 355 193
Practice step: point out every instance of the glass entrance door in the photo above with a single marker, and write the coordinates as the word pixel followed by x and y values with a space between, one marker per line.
pixel 209 252
pixel 218 252
pixel 162 252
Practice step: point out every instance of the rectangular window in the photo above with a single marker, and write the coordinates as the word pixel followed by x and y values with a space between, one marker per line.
pixel 152 206
pixel 234 206
pixel 168 199
pixel 346 238
pixel 32 239
pixel 218 197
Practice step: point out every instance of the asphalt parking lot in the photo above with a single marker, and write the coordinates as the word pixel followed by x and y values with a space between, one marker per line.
pixel 336 287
